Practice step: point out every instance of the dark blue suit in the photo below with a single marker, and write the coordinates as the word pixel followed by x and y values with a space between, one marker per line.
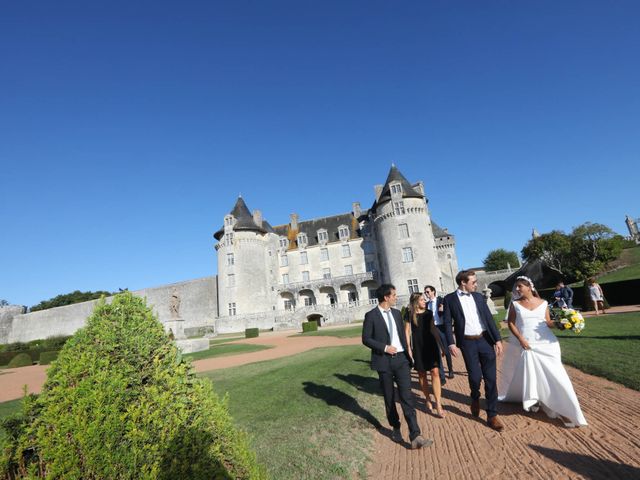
pixel 479 355
pixel 391 368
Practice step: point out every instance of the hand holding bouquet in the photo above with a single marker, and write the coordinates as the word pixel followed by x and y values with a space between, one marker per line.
pixel 569 319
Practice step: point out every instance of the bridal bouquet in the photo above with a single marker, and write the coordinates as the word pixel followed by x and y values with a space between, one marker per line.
pixel 569 319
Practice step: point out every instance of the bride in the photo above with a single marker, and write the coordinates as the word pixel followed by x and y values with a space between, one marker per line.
pixel 532 371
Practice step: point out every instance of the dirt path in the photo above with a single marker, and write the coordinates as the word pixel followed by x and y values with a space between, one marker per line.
pixel 531 446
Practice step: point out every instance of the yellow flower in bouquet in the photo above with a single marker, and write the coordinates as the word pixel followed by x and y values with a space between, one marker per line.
pixel 570 319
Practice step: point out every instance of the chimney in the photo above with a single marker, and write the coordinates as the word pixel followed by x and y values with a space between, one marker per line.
pixel 257 217
pixel 293 221
pixel 355 208
pixel 378 189
pixel 419 187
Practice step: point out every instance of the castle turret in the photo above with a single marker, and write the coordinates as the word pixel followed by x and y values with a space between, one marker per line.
pixel 403 230
pixel 243 247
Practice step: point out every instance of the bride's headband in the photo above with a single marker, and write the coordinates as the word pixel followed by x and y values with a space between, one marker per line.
pixel 524 278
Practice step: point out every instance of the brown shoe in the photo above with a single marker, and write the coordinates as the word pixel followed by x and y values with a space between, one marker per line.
pixel 495 423
pixel 475 407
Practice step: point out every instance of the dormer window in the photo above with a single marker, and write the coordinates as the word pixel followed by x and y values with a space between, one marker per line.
pixel 284 242
pixel 343 232
pixel 396 189
pixel 323 237
pixel 228 221
pixel 302 240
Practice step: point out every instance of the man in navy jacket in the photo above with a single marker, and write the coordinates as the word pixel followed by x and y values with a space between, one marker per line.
pixel 478 338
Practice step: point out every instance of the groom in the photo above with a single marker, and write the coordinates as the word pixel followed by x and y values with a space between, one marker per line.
pixel 478 338
pixel 383 333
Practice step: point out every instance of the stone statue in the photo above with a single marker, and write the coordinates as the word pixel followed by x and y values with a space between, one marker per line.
pixel 486 292
pixel 174 304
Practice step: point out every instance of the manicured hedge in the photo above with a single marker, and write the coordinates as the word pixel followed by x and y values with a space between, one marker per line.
pixel 20 360
pixel 310 326
pixel 624 292
pixel 251 332
pixel 47 357
pixel 121 402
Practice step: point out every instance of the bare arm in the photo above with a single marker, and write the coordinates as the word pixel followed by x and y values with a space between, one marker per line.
pixel 511 321
pixel 547 318
pixel 409 337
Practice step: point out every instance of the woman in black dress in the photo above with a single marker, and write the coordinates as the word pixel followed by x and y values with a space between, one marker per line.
pixel 426 349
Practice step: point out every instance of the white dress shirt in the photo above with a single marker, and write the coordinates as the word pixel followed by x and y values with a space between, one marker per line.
pixel 395 338
pixel 473 324
pixel 433 306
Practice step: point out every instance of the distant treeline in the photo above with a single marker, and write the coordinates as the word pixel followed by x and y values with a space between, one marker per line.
pixel 69 299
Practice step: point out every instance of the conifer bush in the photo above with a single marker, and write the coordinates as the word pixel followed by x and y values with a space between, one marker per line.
pixel 20 360
pixel 310 326
pixel 251 332
pixel 121 402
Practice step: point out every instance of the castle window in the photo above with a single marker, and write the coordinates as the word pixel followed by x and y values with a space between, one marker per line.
pixel 305 276
pixel 396 189
pixel 231 280
pixel 398 208
pixel 302 239
pixel 230 259
pixel 324 254
pixel 348 270
pixel 228 239
pixel 284 261
pixel 303 258
pixel 326 273
pixel 404 230
pixel 413 286
pixel 346 251
pixel 284 242
pixel 343 232
pixel 308 301
pixel 228 221
pixel 285 278
pixel 288 305
pixel 232 309
pixel 407 255
pixel 323 237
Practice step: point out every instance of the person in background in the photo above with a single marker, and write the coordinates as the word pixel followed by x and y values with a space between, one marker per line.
pixel 434 303
pixel 597 297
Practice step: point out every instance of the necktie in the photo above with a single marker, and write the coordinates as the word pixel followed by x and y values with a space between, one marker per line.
pixel 389 320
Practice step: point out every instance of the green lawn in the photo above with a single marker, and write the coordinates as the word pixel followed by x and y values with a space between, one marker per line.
pixel 609 347
pixel 226 350
pixel 630 257
pixel 218 341
pixel 311 415
pixel 346 332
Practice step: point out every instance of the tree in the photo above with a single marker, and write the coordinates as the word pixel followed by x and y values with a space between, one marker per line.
pixel 121 402
pixel 500 259
pixel 69 299
pixel 3 303
pixel 553 248
pixel 579 255
pixel 593 246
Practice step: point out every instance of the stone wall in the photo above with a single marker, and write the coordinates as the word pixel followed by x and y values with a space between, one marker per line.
pixel 196 304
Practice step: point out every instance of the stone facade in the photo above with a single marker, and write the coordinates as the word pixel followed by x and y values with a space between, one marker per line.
pixel 326 269
pixel 198 307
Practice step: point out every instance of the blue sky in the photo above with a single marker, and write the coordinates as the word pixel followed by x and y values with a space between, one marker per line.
pixel 127 129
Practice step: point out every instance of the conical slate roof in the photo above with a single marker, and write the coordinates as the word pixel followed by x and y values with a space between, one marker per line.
pixel 244 220
pixel 395 176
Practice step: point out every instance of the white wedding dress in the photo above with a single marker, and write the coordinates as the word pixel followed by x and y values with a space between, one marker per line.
pixel 537 377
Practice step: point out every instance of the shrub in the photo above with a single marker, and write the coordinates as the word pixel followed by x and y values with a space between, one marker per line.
pixel 251 332
pixel 309 326
pixel 121 402
pixel 47 357
pixel 20 360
